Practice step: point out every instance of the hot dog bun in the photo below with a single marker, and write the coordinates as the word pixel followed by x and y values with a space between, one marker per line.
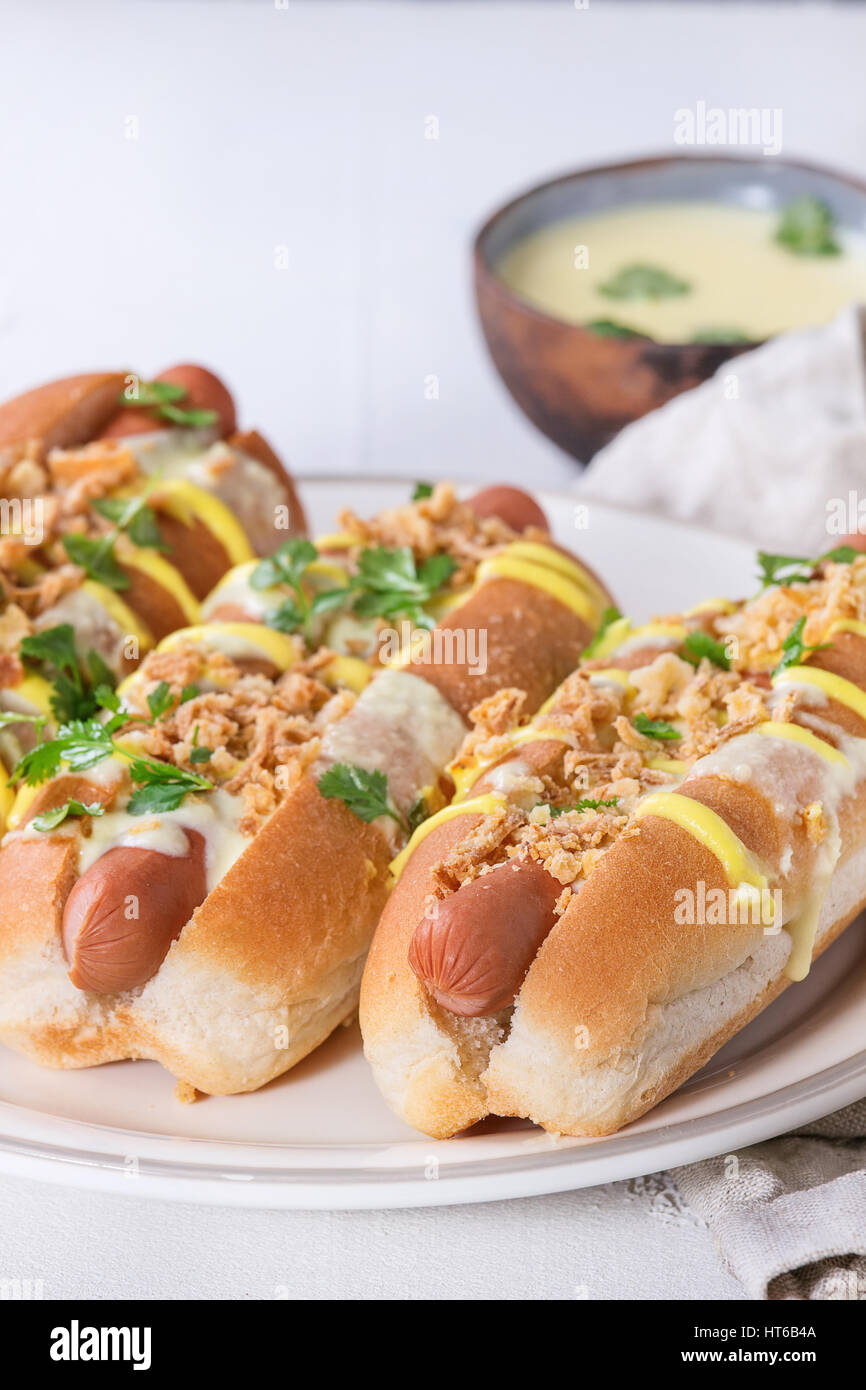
pixel 216 504
pixel 204 391
pixel 61 413
pixel 270 961
pixel 584 1016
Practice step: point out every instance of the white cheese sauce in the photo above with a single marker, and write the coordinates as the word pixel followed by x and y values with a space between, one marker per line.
pixel 214 815
pixel 247 487
pixel 401 726
pixel 95 629
pixel 795 776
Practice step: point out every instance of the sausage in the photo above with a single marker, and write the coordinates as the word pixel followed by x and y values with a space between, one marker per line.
pixel 474 952
pixel 124 913
pixel 204 392
pixel 511 505
pixel 61 413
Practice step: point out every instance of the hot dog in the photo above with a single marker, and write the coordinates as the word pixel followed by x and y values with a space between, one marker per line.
pixel 202 391
pixel 128 517
pixel 317 764
pixel 124 913
pixel 698 820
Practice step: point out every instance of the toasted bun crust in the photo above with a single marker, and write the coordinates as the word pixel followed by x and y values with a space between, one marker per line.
pixel 532 641
pixel 61 413
pixel 427 1062
pixel 195 552
pixel 624 1000
pixel 252 443
pixel 265 969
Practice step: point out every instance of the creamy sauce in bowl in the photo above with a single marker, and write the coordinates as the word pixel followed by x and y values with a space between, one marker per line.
pixel 724 276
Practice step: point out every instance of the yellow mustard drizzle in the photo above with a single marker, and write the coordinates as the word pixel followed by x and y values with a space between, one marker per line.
pixel 711 605
pixel 336 540
pixel 35 691
pixel 805 737
pixel 479 806
pixel 846 625
pixel 276 646
pixel 350 671
pixel 708 829
pixel 188 502
pixel 151 563
pixel 465 772
pixel 539 554
pixel 837 688
pixel 7 801
pixel 661 764
pixel 551 581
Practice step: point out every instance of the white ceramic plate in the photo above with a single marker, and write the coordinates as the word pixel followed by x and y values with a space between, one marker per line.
pixel 323 1137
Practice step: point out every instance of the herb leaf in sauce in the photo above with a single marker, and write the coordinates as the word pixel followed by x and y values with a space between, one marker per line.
pixel 610 328
pixel 421 491
pixel 807 226
pixel 49 820
pixel 720 335
pixel 643 282
pixel 365 793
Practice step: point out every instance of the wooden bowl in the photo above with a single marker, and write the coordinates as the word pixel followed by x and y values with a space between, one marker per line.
pixel 579 387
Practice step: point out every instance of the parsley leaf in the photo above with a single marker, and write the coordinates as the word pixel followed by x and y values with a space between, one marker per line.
pixel 610 328
pixel 391 584
pixel 133 516
pixel 288 566
pixel 798 569
pixel 365 793
pixel 701 644
pixel 586 803
pixel 49 820
pixel 53 652
pixel 83 743
pixel 795 650
pixel 161 398
pixel 159 796
pixel 655 728
pixel 609 616
pixel 418 814
pixel 95 555
pixel 422 490
pixel 807 227
pixel 643 282
pixel 200 755
pixel 720 335
pixel 159 700
pixel 285 566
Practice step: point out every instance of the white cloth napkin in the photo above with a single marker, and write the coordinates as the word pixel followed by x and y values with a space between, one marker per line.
pixel 771 448
pixel 788 1217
